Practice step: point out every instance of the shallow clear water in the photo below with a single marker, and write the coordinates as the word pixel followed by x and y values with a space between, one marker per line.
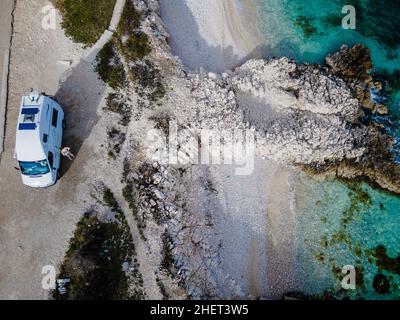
pixel 308 30
pixel 343 223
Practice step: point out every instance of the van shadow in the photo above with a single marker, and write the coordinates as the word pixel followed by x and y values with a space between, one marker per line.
pixel 80 94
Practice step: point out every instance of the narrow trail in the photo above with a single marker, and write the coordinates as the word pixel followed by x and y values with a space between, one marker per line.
pixel 148 261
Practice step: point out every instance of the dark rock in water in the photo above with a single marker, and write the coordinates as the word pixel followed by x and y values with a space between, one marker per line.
pixel 385 262
pixel 354 65
pixel 351 63
pixel 381 284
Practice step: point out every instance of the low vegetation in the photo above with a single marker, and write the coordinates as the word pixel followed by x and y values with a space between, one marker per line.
pixel 116 138
pixel 85 20
pixel 167 261
pixel 101 260
pixel 148 80
pixel 162 288
pixel 117 104
pixel 110 68
pixel 135 46
pixel 161 121
pixel 132 42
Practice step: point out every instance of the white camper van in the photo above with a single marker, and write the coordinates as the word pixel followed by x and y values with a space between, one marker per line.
pixel 39 140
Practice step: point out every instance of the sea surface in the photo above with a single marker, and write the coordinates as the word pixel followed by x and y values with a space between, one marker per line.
pixel 344 223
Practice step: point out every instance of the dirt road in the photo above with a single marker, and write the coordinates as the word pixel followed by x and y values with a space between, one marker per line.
pixel 36 225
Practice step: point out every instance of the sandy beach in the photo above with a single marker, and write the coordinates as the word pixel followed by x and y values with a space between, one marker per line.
pixel 215 35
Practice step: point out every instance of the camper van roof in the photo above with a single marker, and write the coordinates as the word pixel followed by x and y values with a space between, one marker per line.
pixel 29 145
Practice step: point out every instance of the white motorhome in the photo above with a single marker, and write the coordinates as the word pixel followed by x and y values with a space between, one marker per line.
pixel 39 140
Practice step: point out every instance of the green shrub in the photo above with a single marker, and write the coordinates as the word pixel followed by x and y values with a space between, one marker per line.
pixel 110 68
pixel 137 46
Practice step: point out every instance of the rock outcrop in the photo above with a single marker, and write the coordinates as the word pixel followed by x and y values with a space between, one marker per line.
pixel 354 66
pixel 351 63
pixel 303 115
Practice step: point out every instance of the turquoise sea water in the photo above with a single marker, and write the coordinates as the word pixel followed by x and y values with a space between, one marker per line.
pixel 344 223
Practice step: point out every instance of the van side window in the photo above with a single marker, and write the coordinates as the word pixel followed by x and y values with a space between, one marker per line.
pixel 45 138
pixel 54 120
pixel 51 159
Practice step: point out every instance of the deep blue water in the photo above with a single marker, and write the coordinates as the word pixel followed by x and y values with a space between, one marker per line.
pixel 344 223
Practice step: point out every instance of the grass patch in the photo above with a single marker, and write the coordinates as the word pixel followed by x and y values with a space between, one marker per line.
pixel 161 122
pixel 136 46
pixel 146 187
pixel 110 68
pixel 85 20
pixel 110 201
pixel 141 189
pixel 132 42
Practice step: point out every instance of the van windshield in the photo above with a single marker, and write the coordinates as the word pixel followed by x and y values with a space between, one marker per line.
pixel 34 168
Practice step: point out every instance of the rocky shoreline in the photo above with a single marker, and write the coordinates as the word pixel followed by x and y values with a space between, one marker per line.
pixel 303 115
pixel 308 116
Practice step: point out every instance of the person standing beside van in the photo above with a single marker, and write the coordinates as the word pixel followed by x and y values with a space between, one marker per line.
pixel 66 152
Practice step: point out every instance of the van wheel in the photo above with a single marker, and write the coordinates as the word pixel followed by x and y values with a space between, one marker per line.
pixel 58 174
pixel 64 124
